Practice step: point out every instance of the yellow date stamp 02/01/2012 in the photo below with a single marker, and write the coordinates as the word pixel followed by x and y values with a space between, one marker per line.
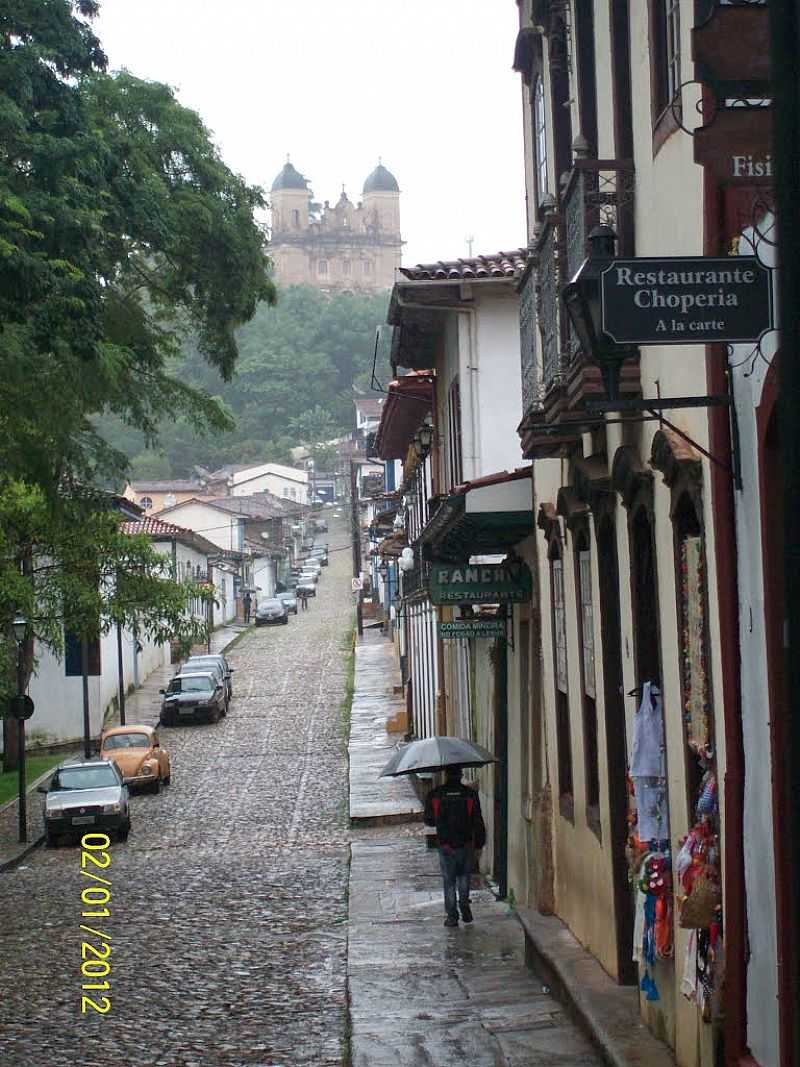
pixel 95 900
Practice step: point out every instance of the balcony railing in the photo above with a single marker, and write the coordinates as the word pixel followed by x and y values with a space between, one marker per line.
pixel 597 193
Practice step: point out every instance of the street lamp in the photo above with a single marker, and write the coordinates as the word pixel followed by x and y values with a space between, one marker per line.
pixel 21 709
pixel 582 300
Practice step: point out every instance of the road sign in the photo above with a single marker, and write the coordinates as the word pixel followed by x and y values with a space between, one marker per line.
pixel 20 707
pixel 468 628
pixel 492 583
pixel 356 584
pixel 686 300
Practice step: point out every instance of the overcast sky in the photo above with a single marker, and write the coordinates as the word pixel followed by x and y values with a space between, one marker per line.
pixel 425 84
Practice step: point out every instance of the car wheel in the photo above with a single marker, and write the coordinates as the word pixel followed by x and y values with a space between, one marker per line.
pixel 157 786
pixel 122 833
pixel 285 620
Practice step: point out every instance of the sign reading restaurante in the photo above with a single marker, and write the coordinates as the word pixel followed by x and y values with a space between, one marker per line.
pixel 488 583
pixel 686 300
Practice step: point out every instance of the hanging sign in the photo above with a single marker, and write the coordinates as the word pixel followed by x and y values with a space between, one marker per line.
pixel 468 628
pixel 686 300
pixel 489 583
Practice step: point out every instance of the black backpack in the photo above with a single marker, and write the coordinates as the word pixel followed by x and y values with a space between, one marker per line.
pixel 457 812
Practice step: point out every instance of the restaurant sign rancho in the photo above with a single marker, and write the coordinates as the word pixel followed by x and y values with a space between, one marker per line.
pixel 686 300
pixel 488 583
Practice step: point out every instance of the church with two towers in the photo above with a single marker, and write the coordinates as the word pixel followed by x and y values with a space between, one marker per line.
pixel 344 247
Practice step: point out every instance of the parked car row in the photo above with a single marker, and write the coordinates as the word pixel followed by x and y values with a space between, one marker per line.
pixel 94 794
pixel 202 688
pixel 302 582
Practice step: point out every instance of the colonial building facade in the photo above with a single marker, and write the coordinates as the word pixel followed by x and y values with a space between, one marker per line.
pixel 634 694
pixel 346 247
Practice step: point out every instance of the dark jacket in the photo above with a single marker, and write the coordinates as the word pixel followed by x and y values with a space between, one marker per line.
pixel 455 810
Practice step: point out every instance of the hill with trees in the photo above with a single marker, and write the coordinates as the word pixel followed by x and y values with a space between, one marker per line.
pixel 299 362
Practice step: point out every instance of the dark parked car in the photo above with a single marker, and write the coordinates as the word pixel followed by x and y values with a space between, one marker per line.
pixel 85 796
pixel 220 659
pixel 272 610
pixel 191 666
pixel 191 695
pixel 289 600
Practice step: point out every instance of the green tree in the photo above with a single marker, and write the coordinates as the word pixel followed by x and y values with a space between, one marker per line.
pixel 122 234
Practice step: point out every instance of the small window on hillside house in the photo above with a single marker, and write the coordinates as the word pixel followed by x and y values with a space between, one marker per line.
pixel 146 502
pixel 322 266
pixel 296 219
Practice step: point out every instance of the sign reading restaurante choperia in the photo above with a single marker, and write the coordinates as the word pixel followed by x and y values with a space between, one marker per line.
pixel 686 300
pixel 487 583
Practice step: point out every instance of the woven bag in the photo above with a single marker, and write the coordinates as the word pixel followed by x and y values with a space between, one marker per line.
pixel 700 908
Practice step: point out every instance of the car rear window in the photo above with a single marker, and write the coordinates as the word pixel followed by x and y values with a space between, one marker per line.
pixel 117 741
pixel 84 778
pixel 190 683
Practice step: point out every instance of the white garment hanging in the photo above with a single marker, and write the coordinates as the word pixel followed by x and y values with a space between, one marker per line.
pixel 648 760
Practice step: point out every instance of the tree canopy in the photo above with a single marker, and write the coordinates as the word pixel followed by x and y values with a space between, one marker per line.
pixel 122 234
pixel 298 365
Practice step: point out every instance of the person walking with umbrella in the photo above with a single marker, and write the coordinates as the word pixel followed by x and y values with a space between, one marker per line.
pixel 455 810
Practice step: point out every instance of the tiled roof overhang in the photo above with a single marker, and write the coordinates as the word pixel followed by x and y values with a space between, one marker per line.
pixel 485 517
pixel 408 401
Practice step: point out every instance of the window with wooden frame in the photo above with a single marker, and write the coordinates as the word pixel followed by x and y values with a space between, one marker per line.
pixel 665 67
pixel 455 470
pixel 539 122
pixel 585 605
pixel 587 73
pixel 558 41
pixel 563 732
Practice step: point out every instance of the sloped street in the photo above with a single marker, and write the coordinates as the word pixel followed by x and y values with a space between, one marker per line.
pixel 228 911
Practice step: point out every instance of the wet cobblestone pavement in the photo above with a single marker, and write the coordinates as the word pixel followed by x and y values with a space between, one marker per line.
pixel 229 907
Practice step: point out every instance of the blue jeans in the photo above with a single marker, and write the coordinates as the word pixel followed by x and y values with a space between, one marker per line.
pixel 456 865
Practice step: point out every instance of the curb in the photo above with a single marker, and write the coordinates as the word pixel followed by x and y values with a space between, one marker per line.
pixel 10 864
pixel 607 1013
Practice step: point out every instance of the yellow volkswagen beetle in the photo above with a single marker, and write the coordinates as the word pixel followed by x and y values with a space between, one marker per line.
pixel 137 752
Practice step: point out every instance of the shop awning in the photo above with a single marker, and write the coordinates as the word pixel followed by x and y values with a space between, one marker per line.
pixel 484 517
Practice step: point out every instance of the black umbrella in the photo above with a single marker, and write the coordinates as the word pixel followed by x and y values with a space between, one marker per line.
pixel 436 753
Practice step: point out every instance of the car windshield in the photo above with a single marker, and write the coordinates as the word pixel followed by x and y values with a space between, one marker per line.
pixel 99 777
pixel 191 683
pixel 270 604
pixel 206 662
pixel 117 741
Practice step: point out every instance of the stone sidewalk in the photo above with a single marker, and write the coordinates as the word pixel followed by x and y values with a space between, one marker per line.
pixel 421 994
pixel 142 706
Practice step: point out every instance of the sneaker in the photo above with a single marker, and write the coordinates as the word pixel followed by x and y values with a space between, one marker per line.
pixel 450 922
pixel 466 913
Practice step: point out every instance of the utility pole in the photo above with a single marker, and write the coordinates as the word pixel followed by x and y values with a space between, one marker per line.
pixel 87 725
pixel 120 676
pixel 785 86
pixel 355 530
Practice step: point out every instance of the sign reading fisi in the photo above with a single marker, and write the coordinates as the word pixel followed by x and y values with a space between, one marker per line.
pixel 686 300
pixel 488 583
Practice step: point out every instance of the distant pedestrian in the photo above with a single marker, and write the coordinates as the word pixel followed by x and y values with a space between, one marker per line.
pixel 246 603
pixel 455 810
pixel 302 596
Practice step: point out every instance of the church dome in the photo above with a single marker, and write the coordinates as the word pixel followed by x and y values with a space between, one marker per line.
pixel 289 178
pixel 381 181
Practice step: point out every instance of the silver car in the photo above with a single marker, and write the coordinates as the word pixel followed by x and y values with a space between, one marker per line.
pixel 81 797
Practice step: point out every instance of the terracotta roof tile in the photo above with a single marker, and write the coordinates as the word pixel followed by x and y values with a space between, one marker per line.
pixel 498 265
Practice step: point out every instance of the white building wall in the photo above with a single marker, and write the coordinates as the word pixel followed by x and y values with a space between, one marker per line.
pixel 215 525
pixel 497 380
pixel 762 978
pixel 58 717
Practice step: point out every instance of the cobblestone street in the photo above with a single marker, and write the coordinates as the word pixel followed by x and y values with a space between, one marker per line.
pixel 229 907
